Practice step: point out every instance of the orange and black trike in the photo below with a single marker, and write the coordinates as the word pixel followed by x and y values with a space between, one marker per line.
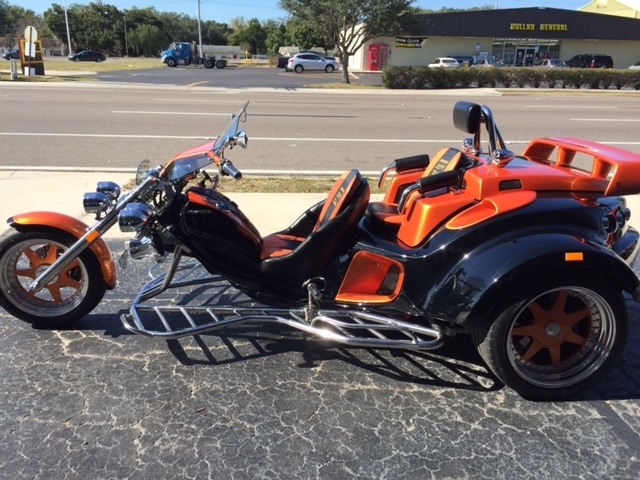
pixel 528 254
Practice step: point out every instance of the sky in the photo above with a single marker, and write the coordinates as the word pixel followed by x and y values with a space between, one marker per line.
pixel 223 12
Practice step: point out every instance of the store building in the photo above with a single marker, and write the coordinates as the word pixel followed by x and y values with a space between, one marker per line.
pixel 518 36
pixel 625 8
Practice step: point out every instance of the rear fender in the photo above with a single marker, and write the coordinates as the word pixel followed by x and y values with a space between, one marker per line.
pixel 72 226
pixel 485 276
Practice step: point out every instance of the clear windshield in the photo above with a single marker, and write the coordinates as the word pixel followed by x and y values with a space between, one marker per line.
pixel 190 165
pixel 231 130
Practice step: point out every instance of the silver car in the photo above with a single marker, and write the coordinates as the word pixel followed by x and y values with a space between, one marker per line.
pixel 311 61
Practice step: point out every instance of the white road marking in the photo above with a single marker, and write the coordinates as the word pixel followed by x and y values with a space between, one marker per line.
pixel 605 119
pixel 142 112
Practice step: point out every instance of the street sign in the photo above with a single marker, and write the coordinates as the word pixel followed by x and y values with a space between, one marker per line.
pixel 30 34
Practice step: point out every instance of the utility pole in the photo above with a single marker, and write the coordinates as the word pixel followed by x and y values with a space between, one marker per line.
pixel 126 46
pixel 199 32
pixel 66 21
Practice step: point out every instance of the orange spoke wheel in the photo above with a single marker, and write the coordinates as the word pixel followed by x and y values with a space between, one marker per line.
pixel 556 341
pixel 68 296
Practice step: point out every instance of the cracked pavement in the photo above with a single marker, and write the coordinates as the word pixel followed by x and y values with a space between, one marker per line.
pixel 95 401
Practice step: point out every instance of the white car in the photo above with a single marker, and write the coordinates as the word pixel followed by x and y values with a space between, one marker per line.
pixel 635 66
pixel 311 61
pixel 444 62
pixel 551 63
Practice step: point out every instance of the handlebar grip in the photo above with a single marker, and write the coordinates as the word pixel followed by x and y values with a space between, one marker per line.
pixel 439 180
pixel 227 168
pixel 409 163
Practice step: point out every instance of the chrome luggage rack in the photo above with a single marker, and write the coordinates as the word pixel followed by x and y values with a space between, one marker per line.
pixel 354 328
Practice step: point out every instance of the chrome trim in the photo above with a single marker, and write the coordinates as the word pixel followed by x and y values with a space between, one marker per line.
pixel 405 196
pixel 103 225
pixel 111 189
pixel 384 172
pixel 134 217
pixel 96 202
pixel 354 328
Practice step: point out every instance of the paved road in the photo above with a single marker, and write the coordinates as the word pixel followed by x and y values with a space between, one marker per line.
pixel 95 402
pixel 243 77
pixel 107 125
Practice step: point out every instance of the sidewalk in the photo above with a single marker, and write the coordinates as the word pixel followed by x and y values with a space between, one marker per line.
pixel 27 191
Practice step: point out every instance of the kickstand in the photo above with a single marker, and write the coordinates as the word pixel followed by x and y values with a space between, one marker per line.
pixel 314 287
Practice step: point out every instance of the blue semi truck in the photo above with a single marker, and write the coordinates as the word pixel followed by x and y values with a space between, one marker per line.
pixel 185 53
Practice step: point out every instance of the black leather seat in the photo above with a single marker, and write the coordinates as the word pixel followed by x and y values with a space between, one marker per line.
pixel 324 231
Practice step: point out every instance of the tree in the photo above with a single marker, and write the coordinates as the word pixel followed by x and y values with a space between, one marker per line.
pixel 250 36
pixel 276 38
pixel 5 22
pixel 307 37
pixel 348 24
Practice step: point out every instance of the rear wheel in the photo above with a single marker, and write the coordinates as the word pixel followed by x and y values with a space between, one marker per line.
pixel 76 59
pixel 329 69
pixel 299 69
pixel 208 63
pixel 221 64
pixel 69 296
pixel 556 339
pixel 98 59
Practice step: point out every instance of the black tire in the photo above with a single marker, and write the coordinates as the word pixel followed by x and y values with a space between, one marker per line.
pixel 208 63
pixel 298 69
pixel 555 338
pixel 221 64
pixel 171 62
pixel 68 297
pixel 98 59
pixel 329 69
pixel 76 59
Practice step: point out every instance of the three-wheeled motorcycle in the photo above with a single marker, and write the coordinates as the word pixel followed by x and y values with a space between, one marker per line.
pixel 530 254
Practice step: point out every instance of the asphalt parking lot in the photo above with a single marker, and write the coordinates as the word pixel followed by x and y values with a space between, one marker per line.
pixel 94 401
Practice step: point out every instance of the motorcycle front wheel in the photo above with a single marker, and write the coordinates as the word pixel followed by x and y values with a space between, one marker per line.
pixel 555 338
pixel 68 297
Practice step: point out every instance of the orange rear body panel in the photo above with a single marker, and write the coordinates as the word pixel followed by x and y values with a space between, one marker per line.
pixel 365 279
pixel 491 207
pixel 423 215
pixel 614 170
pixel 547 165
pixel 74 227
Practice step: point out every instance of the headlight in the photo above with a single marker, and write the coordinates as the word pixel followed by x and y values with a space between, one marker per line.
pixel 134 217
pixel 111 189
pixel 96 202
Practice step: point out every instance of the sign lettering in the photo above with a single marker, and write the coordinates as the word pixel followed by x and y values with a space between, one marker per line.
pixel 556 27
pixel 409 42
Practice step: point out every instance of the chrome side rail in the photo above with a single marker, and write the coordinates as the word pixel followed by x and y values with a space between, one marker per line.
pixel 349 327
pixel 344 327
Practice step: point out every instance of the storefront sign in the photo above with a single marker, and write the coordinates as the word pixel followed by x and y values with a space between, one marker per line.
pixel 409 42
pixel 558 27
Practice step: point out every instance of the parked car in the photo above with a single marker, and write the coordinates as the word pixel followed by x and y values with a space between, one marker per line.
pixel 282 62
pixel 488 63
pixel 311 61
pixel 590 60
pixel 88 56
pixel 551 63
pixel 444 62
pixel 635 66
pixel 12 55
pixel 317 53
pixel 462 60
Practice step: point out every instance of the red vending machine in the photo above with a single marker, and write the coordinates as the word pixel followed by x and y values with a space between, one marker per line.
pixel 378 57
